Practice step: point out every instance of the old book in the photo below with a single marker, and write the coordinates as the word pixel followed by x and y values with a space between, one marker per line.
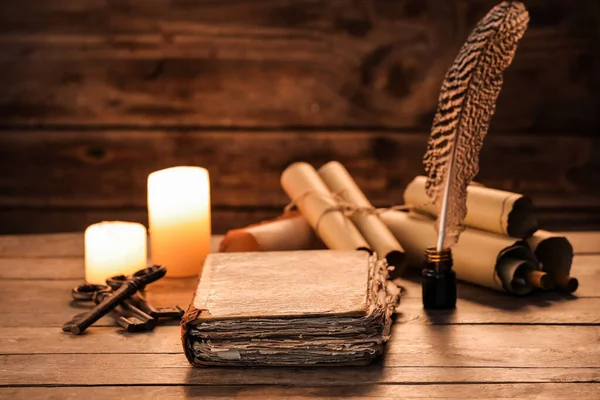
pixel 300 308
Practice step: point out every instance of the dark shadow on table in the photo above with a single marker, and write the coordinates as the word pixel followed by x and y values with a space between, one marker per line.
pixel 316 381
pixel 509 302
pixel 493 298
pixel 283 391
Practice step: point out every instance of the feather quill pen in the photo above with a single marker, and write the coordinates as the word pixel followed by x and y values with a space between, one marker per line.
pixel 467 102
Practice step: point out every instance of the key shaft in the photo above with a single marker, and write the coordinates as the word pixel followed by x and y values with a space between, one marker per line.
pixel 105 306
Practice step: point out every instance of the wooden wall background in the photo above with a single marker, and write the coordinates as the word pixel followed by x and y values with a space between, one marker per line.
pixel 96 94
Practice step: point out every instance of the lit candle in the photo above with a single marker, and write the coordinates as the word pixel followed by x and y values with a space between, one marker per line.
pixel 179 216
pixel 114 248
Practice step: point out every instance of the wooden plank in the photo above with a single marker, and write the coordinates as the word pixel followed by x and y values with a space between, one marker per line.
pixel 491 308
pixel 45 268
pixel 62 169
pixel 584 242
pixel 566 218
pixel 56 245
pixel 583 391
pixel 245 64
pixel 47 303
pixel 52 220
pixel 67 245
pixel 505 310
pixel 57 219
pixel 173 369
pixel 410 346
pixel 17 262
pixel 586 268
pixel 278 63
pixel 557 172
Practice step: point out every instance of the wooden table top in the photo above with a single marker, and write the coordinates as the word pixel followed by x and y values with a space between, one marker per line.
pixel 492 345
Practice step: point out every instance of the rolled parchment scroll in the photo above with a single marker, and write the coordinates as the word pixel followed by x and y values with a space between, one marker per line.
pixel 317 204
pixel 289 232
pixel 491 210
pixel 555 253
pixel 375 232
pixel 482 258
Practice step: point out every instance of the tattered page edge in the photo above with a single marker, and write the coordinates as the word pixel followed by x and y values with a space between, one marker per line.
pixel 517 251
pixel 376 350
pixel 521 221
pixel 363 363
pixel 555 253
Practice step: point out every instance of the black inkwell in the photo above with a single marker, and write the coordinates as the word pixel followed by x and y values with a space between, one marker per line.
pixel 439 280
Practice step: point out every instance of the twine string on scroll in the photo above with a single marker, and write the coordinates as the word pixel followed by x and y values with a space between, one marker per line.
pixel 347 208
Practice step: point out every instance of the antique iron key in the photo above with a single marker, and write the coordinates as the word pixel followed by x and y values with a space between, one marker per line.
pixel 96 293
pixel 129 287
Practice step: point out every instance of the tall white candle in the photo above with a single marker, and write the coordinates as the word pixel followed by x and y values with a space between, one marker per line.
pixel 114 248
pixel 179 216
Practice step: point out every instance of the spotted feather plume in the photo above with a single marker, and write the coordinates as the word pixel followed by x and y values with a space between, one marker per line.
pixel 466 104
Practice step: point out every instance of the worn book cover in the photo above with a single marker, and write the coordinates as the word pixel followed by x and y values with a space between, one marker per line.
pixel 320 307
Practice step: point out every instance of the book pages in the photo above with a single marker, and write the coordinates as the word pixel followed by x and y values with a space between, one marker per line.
pixel 298 308
pixel 555 253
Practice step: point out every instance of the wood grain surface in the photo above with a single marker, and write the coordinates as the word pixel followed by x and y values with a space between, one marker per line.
pixel 46 305
pixel 70 245
pixel 382 392
pixel 95 95
pixel 430 346
pixel 65 180
pixel 173 369
pixel 278 63
pixel 492 345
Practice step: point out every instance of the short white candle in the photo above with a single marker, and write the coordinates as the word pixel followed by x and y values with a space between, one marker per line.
pixel 179 217
pixel 114 248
